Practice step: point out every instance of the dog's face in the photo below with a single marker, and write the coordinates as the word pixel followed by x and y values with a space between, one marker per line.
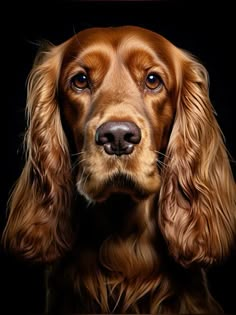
pixel 117 89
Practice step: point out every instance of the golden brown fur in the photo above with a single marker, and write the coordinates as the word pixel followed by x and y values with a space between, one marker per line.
pixel 130 226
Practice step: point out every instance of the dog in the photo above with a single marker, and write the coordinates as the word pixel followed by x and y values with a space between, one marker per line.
pixel 127 191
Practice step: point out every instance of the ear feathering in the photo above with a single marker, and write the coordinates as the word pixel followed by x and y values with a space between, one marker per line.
pixel 197 203
pixel 39 207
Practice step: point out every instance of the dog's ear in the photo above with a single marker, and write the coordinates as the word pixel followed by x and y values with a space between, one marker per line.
pixel 197 200
pixel 39 208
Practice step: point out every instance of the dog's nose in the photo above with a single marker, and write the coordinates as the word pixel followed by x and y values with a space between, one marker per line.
pixel 118 137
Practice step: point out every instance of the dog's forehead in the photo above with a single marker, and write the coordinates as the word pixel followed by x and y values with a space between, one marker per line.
pixel 129 37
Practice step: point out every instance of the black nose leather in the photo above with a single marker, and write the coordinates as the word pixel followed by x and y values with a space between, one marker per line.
pixel 118 137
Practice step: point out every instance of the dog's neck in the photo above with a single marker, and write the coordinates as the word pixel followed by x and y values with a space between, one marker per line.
pixel 119 216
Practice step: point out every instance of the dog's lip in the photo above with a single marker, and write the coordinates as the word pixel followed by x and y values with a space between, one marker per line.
pixel 120 184
pixel 101 198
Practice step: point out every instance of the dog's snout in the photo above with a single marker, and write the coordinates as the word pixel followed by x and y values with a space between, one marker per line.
pixel 118 137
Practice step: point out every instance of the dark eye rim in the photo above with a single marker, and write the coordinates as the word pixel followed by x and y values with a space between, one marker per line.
pixel 84 85
pixel 158 80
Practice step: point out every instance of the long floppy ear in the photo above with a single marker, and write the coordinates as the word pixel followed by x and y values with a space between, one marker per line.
pixel 197 202
pixel 39 207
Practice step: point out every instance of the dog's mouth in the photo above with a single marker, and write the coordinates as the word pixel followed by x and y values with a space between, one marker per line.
pixel 120 184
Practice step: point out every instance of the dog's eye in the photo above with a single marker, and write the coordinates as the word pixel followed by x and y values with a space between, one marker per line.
pixel 80 81
pixel 153 81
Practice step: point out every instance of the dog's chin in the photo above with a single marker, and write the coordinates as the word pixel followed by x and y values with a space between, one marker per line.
pixel 118 200
pixel 120 186
pixel 119 194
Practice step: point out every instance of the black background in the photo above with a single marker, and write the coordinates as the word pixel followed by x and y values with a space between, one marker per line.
pixel 205 28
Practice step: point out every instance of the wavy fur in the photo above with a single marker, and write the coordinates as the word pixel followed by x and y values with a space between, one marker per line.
pixel 123 236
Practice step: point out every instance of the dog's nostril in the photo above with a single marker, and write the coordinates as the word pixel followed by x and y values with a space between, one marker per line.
pixel 118 137
pixel 132 137
pixel 102 139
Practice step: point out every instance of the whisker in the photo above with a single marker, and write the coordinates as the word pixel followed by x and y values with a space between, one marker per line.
pixel 161 165
pixel 77 162
pixel 78 153
pixel 160 160
pixel 162 154
pixel 80 182
pixel 85 179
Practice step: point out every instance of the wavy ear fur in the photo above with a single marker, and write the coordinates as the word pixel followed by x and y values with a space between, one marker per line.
pixel 197 212
pixel 39 207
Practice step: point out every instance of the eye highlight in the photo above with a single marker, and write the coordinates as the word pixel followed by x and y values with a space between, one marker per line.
pixel 153 81
pixel 80 81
